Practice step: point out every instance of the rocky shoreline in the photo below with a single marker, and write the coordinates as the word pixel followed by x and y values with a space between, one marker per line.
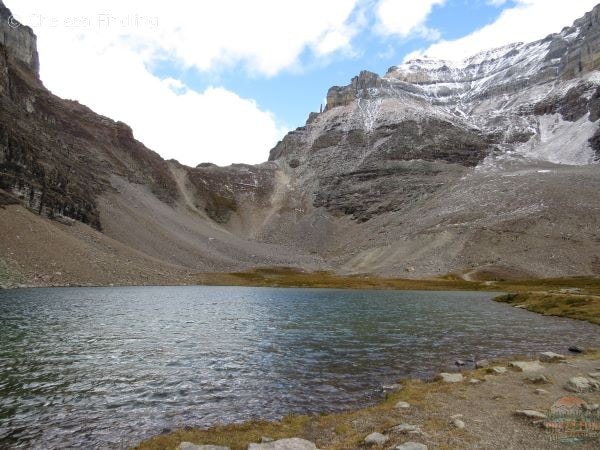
pixel 540 403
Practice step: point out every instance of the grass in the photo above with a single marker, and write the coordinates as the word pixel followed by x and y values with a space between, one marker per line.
pixel 576 306
pixel 338 431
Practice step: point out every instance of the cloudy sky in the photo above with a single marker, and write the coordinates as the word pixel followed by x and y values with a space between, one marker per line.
pixel 222 81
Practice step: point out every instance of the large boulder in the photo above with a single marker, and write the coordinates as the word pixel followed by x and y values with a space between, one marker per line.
pixel 582 384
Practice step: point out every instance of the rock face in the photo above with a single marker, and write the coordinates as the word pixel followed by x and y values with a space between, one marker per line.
pixel 486 167
pixel 19 38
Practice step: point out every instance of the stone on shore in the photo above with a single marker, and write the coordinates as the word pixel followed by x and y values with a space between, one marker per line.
pixel 406 428
pixel 497 370
pixel 576 349
pixel 526 366
pixel 451 377
pixel 595 375
pixel 582 384
pixel 458 423
pixel 392 387
pixel 411 446
pixel 537 379
pixel 402 405
pixel 551 357
pixel 482 364
pixel 474 381
pixel 541 392
pixel 530 414
pixel 190 446
pixel 376 439
pixel 285 444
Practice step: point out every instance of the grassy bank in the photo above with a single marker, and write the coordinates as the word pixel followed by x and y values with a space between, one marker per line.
pixel 575 306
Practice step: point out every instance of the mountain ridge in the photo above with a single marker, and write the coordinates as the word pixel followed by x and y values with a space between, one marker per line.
pixel 485 170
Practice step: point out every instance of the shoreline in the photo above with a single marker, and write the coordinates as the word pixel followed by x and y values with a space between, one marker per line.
pixel 438 413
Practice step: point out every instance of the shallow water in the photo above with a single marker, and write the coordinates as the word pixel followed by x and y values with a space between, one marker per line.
pixel 107 367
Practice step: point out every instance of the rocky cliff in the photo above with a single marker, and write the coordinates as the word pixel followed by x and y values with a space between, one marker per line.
pixel 486 167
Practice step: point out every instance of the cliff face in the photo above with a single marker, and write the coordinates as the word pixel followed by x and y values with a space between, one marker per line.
pixel 485 167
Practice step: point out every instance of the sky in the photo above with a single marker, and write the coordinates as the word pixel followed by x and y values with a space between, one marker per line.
pixel 222 81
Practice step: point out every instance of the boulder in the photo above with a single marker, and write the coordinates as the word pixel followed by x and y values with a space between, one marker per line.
pixel 411 446
pixel 551 357
pixel 526 366
pixel 402 405
pixel 376 439
pixel 285 444
pixel 582 384
pixel 450 377
pixel 497 370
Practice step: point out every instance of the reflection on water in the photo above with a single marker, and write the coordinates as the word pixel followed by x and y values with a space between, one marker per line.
pixel 106 367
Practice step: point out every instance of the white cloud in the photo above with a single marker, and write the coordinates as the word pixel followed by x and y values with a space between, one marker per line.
pixel 527 21
pixel 100 54
pixel 406 17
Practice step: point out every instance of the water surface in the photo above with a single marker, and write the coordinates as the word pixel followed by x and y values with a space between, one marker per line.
pixel 107 367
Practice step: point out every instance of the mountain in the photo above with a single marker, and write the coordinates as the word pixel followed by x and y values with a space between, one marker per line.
pixel 486 167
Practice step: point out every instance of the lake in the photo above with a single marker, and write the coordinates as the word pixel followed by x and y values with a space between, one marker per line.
pixel 108 367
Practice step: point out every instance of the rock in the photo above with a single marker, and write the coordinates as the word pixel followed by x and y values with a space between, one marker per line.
pixel 592 407
pixel 450 377
pixel 526 366
pixel 402 405
pixel 595 375
pixel 376 439
pixel 392 387
pixel 285 444
pixel 266 439
pixel 190 446
pixel 576 349
pixel 541 392
pixel 406 428
pixel 551 357
pixel 474 381
pixel 497 370
pixel 537 379
pixel 458 424
pixel 460 362
pixel 482 364
pixel 411 446
pixel 568 406
pixel 530 414
pixel 582 384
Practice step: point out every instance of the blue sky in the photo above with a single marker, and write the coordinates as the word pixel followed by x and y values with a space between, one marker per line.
pixel 293 93
pixel 224 80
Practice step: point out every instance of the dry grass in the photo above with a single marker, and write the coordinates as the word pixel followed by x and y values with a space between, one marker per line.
pixel 575 306
pixel 339 431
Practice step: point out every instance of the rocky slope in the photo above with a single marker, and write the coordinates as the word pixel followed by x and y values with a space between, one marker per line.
pixel 485 167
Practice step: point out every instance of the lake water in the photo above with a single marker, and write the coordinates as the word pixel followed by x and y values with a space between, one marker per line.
pixel 107 367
